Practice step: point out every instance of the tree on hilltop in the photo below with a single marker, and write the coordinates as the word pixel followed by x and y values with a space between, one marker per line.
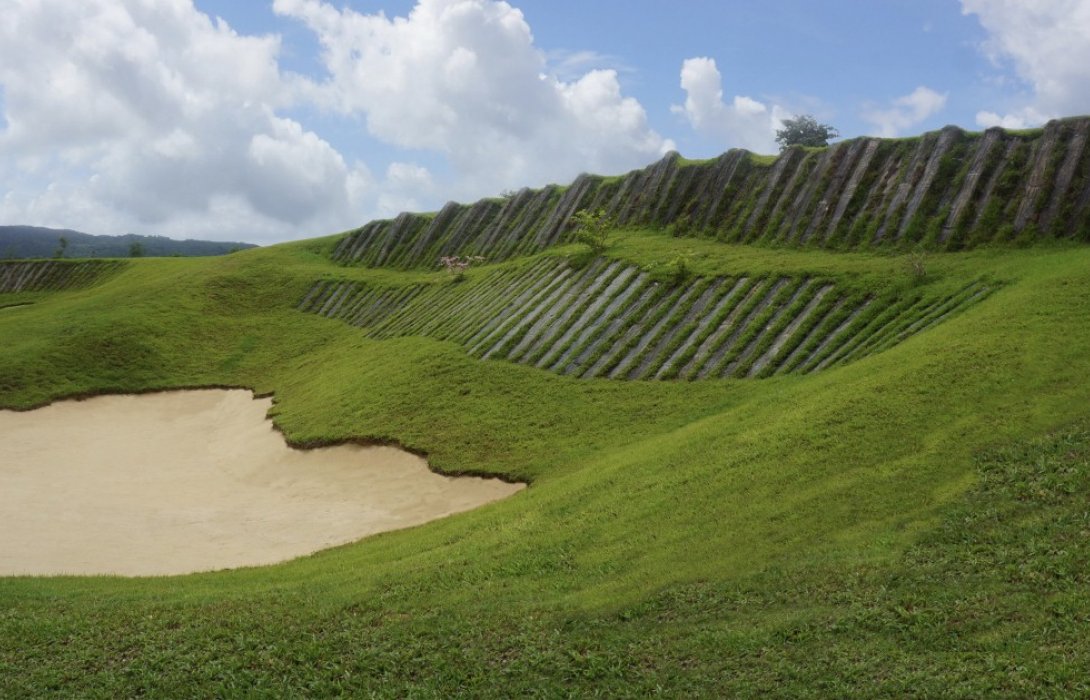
pixel 805 130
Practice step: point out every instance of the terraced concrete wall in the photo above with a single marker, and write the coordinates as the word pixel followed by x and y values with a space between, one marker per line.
pixel 53 275
pixel 612 320
pixel 944 190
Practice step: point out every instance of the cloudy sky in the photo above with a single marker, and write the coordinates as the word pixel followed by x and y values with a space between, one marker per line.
pixel 271 120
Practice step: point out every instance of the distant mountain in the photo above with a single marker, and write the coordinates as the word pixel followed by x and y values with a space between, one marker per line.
pixel 38 242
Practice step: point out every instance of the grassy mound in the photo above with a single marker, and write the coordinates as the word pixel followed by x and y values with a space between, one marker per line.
pixel 895 524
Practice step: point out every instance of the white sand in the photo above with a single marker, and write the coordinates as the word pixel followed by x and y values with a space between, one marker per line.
pixel 188 481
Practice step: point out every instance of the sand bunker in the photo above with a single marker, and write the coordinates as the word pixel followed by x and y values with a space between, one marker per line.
pixel 189 481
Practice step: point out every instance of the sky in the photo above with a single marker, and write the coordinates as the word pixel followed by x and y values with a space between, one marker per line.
pixel 273 120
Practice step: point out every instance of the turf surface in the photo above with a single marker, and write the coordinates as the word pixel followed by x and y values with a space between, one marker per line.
pixel 911 522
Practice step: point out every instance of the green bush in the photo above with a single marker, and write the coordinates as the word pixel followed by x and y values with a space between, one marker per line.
pixel 674 272
pixel 593 229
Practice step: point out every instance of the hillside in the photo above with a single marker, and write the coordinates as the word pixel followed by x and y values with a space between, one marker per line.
pixel 36 242
pixel 796 465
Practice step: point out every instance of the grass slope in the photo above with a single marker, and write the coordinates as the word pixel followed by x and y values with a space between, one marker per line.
pixel 895 525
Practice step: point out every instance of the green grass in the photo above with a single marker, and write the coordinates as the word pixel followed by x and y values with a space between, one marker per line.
pixel 18 299
pixel 893 526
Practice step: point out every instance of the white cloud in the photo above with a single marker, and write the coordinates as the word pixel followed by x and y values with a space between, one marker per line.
pixel 464 78
pixel 568 65
pixel 408 187
pixel 743 122
pixel 905 112
pixel 148 116
pixel 1022 119
pixel 1047 43
pixel 133 115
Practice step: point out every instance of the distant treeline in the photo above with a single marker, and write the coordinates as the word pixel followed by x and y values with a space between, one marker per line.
pixel 36 242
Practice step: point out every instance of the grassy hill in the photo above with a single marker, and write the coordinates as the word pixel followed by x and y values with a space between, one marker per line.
pixel 18 242
pixel 909 520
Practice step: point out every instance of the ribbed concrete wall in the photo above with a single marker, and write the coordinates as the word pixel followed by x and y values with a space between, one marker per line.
pixel 52 275
pixel 948 189
pixel 612 320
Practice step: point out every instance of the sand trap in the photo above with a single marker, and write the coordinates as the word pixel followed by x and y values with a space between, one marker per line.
pixel 188 481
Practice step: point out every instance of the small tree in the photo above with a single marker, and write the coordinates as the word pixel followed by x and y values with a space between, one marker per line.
pixel 592 228
pixel 62 245
pixel 805 130
pixel 136 250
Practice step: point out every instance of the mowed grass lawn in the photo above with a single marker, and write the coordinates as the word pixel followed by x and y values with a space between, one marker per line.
pixel 911 523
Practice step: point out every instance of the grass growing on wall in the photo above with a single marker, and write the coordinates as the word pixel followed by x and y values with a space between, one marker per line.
pixel 895 194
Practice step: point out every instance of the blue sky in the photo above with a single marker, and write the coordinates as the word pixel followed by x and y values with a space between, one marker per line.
pixel 272 120
pixel 833 59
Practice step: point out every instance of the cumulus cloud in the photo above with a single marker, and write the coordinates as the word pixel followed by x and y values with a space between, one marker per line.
pixel 905 112
pixel 570 65
pixel 1047 44
pixel 1023 118
pixel 464 78
pixel 130 115
pixel 743 122
pixel 408 187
